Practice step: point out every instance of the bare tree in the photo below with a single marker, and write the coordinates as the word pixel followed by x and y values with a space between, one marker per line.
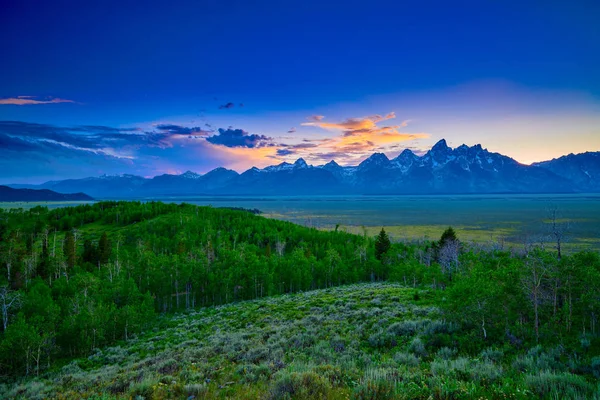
pixel 533 283
pixel 280 247
pixel 558 227
pixel 9 299
pixel 448 256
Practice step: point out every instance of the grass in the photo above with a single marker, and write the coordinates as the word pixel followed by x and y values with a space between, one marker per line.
pixel 367 341
pixel 483 219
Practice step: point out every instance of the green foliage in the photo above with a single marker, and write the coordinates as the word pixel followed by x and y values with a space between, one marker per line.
pixel 382 244
pixel 374 390
pixel 93 281
pixel 449 235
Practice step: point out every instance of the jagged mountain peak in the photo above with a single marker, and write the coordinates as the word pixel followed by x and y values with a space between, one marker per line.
pixel 220 171
pixel 300 163
pixel 376 157
pixel 190 175
pixel 406 154
pixel 441 145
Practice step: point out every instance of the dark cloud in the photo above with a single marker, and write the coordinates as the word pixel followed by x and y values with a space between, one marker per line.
pixel 239 138
pixel 98 139
pixel 285 152
pixel 299 146
pixel 329 155
pixel 39 152
pixel 226 106
pixel 182 130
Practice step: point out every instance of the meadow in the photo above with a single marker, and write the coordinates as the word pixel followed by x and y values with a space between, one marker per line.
pixel 486 219
pixel 479 218
pixel 367 341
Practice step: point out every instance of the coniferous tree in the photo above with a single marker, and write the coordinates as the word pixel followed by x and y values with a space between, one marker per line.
pixel 382 244
pixel 449 235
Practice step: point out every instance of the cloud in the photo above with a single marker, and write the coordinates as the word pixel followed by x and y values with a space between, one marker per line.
pixel 354 126
pixel 227 106
pixel 29 100
pixel 239 138
pixel 183 130
pixel 358 137
pixel 284 152
pixel 39 152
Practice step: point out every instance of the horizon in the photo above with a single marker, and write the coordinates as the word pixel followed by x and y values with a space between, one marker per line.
pixel 243 85
pixel 419 153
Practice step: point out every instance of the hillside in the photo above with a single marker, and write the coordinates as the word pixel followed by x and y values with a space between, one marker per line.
pixel 173 300
pixel 10 194
pixel 370 341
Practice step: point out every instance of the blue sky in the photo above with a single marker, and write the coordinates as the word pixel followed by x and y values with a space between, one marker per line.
pixel 251 81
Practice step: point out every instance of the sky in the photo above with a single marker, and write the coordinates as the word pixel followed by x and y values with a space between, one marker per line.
pixel 114 87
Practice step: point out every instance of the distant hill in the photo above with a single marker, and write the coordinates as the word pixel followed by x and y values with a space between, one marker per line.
pixel 441 170
pixel 10 194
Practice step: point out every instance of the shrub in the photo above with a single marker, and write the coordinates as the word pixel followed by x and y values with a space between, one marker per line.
pixel 465 370
pixel 252 373
pixel 404 328
pixel 195 389
pixel 446 353
pixel 378 339
pixel 168 366
pixel 537 360
pixel 333 374
pixel 559 385
pixel 299 385
pixel 338 344
pixel 406 359
pixel 417 347
pixel 142 389
pixel 491 354
pixel 374 390
pixel 255 354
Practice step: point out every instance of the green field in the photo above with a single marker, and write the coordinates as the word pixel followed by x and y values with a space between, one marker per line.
pixel 479 218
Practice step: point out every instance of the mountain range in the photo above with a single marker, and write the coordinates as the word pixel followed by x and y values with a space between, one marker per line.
pixel 441 170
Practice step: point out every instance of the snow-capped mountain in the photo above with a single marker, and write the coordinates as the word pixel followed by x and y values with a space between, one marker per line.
pixel 440 170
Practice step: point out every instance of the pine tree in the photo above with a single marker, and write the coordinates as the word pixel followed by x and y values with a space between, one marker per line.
pixel 382 244
pixel 448 236
pixel 69 249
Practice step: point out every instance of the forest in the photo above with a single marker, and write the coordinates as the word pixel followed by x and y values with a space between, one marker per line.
pixel 77 279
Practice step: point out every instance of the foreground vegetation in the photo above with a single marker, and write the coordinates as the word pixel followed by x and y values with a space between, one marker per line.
pixel 369 341
pixel 88 295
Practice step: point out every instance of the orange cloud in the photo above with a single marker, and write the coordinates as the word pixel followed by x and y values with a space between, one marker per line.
pixel 240 158
pixel 354 125
pixel 360 137
pixel 28 100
